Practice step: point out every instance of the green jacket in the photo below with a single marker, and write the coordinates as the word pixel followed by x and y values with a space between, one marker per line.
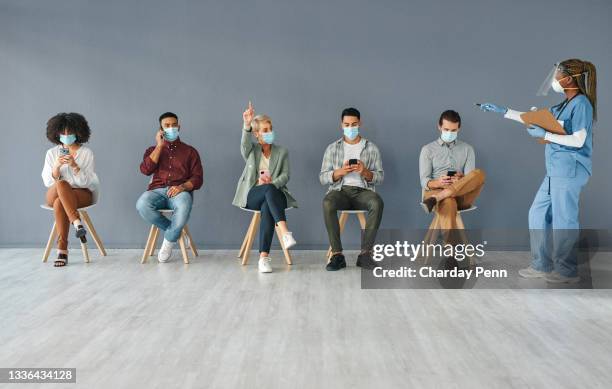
pixel 279 170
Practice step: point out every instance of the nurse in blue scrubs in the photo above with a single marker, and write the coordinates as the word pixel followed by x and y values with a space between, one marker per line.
pixel 568 168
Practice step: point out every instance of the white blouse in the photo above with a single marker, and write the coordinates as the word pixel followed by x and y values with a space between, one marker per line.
pixel 85 178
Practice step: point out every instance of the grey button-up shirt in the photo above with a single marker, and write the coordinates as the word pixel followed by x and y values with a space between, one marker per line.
pixel 438 157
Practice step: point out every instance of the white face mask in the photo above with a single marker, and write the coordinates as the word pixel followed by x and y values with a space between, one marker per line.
pixel 557 86
pixel 448 136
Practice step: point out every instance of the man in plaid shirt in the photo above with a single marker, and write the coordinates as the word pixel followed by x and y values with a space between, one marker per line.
pixel 352 167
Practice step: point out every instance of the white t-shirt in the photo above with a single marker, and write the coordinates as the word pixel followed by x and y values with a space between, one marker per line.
pixel 353 152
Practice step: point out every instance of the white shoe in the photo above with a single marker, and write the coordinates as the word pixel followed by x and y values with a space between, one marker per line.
pixel 530 272
pixel 264 265
pixel 165 251
pixel 556 278
pixel 288 240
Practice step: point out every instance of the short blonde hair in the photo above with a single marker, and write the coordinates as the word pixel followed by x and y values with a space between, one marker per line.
pixel 257 120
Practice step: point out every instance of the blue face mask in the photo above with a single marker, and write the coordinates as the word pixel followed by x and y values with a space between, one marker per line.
pixel 351 132
pixel 448 136
pixel 171 133
pixel 67 139
pixel 268 137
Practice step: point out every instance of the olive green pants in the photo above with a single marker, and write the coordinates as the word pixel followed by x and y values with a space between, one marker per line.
pixel 352 198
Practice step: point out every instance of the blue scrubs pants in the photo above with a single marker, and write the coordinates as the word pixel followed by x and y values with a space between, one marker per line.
pixel 553 223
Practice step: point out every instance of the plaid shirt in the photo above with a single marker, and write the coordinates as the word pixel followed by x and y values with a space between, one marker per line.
pixel 334 158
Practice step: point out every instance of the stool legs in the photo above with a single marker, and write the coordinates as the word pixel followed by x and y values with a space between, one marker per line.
pixel 285 251
pixel 362 220
pixel 93 232
pixel 459 220
pixel 251 237
pixel 246 237
pixel 50 242
pixel 154 241
pixel 433 231
pixel 151 244
pixel 461 226
pixel 85 252
pixel 148 245
pixel 432 235
pixel 192 246
pixel 182 246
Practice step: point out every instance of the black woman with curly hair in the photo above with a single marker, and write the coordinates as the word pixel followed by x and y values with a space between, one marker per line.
pixel 69 175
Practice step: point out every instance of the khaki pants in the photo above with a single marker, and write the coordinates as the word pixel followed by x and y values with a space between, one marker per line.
pixel 65 201
pixel 465 191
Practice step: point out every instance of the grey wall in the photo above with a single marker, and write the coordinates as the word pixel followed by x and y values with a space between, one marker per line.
pixel 122 63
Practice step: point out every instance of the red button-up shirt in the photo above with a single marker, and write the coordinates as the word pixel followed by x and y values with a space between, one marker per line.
pixel 178 163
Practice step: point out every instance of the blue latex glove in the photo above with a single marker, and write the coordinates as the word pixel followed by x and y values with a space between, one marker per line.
pixel 488 107
pixel 536 132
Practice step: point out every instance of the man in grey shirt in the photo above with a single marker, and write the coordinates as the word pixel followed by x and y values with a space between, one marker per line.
pixel 448 174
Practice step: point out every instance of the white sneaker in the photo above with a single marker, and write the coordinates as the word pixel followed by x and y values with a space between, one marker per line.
pixel 556 278
pixel 530 272
pixel 165 251
pixel 288 240
pixel 264 265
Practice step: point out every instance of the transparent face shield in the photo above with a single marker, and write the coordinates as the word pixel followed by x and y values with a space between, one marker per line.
pixel 547 84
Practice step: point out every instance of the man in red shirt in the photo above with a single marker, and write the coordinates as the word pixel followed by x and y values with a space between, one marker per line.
pixel 177 172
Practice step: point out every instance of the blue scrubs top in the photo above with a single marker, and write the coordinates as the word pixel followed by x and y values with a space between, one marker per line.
pixel 561 160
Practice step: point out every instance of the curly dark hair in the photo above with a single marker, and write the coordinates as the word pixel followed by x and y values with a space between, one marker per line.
pixel 74 122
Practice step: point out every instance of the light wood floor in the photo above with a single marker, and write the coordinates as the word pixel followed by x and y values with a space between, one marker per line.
pixel 216 324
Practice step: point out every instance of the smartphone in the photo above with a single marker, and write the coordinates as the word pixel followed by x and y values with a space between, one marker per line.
pixel 264 173
pixel 451 173
pixel 64 151
pixel 353 161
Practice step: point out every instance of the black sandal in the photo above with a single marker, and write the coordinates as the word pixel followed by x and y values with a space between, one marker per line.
pixel 61 261
pixel 80 233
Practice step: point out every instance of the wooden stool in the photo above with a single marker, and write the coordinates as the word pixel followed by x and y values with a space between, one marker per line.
pixel 249 237
pixel 342 221
pixel 149 249
pixel 88 224
pixel 434 229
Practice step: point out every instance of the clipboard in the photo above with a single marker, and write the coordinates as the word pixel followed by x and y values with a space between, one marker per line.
pixel 543 118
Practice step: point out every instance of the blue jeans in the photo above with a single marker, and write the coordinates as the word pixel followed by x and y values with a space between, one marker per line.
pixel 272 203
pixel 152 200
pixel 553 223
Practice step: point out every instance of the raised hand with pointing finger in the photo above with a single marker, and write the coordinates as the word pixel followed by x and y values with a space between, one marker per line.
pixel 248 115
pixel 489 107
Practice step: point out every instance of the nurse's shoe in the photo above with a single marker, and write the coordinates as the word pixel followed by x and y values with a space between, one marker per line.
pixel 532 273
pixel 165 252
pixel 556 278
pixel 264 265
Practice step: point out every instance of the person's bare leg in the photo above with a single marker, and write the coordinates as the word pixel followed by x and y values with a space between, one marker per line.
pixel 264 254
